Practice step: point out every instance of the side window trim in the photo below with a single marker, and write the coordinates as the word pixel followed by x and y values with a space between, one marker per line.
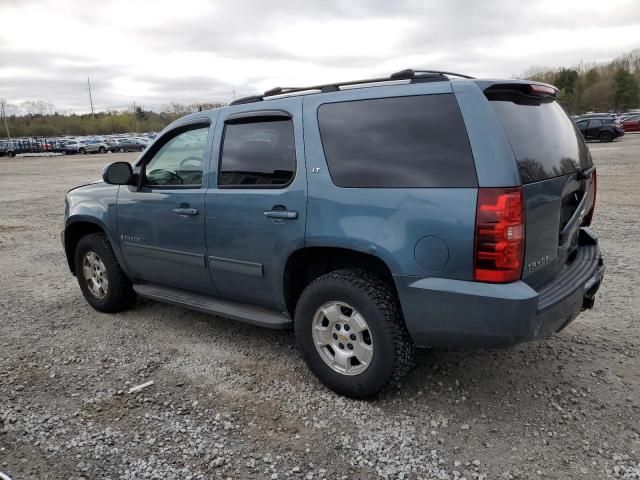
pixel 164 139
pixel 252 117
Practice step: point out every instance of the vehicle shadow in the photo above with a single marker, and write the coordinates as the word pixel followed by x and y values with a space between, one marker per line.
pixel 463 381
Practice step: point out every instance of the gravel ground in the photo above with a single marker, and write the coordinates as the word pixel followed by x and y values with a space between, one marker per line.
pixel 235 401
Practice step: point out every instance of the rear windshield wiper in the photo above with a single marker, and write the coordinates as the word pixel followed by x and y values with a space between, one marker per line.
pixel 586 173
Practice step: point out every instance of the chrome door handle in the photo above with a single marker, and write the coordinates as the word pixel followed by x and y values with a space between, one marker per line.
pixel 185 211
pixel 286 214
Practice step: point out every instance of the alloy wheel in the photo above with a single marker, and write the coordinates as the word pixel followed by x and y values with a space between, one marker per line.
pixel 95 275
pixel 342 338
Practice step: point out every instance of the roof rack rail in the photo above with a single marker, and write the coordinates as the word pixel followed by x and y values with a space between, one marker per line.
pixel 407 74
pixel 410 73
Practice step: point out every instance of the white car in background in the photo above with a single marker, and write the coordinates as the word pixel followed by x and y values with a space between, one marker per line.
pixel 86 146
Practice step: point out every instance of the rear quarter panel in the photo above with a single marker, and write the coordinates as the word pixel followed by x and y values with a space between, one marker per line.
pixel 386 222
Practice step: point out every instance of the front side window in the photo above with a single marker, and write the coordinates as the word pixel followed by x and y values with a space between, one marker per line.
pixel 258 154
pixel 179 161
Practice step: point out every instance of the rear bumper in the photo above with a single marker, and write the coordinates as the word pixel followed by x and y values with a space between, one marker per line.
pixel 443 312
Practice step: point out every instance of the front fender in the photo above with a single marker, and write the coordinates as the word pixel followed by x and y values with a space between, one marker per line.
pixel 88 207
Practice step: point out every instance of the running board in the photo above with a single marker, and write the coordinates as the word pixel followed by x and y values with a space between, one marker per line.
pixel 216 306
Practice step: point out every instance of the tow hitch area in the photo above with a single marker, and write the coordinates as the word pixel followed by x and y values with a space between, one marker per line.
pixel 592 286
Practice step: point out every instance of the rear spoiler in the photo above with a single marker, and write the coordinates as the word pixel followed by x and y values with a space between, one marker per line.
pixel 524 93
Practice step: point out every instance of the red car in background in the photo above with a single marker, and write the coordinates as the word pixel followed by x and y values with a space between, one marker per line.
pixel 632 124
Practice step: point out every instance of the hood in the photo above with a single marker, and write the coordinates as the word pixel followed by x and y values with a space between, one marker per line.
pixel 85 185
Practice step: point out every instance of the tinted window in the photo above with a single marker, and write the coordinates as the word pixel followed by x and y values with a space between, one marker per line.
pixel 417 141
pixel 179 160
pixel 595 123
pixel 258 154
pixel 542 136
pixel 582 123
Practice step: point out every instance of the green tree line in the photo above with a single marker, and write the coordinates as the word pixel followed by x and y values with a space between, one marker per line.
pixel 41 120
pixel 591 87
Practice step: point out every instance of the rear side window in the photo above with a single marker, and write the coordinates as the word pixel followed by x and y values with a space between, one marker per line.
pixel 258 154
pixel 543 138
pixel 403 142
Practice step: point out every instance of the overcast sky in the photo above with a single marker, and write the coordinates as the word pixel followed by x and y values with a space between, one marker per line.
pixel 155 51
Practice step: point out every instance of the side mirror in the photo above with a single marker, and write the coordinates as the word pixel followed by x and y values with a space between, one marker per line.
pixel 117 173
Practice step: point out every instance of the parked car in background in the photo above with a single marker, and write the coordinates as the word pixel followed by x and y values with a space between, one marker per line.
pixel 7 148
pixel 74 146
pixel 86 146
pixel 97 146
pixel 604 129
pixel 631 124
pixel 128 145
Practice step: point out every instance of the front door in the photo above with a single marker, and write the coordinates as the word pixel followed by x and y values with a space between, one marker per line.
pixel 256 210
pixel 582 126
pixel 161 221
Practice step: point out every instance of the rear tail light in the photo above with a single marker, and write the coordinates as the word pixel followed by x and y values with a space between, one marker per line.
pixel 499 235
pixel 589 216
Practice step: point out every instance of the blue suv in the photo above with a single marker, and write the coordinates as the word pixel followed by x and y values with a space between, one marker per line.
pixel 422 209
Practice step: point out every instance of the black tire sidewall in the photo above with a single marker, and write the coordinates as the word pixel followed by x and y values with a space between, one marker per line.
pixel 379 372
pixel 606 137
pixel 112 300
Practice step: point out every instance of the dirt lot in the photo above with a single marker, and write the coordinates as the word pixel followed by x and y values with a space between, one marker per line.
pixel 235 401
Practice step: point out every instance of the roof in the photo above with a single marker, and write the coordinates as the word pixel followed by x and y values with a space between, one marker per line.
pixel 413 76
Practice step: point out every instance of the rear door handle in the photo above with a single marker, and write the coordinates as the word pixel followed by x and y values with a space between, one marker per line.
pixel 185 211
pixel 279 211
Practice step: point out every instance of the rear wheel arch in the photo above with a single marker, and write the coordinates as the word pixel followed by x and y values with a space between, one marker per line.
pixel 605 136
pixel 309 263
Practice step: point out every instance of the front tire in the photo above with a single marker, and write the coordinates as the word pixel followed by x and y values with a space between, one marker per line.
pixel 103 283
pixel 605 137
pixel 82 151
pixel 350 330
pixel 101 150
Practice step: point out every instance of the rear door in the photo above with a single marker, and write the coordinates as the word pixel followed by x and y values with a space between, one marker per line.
pixel 257 201
pixel 550 154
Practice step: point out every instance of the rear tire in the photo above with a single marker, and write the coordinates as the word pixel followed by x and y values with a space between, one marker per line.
pixel 101 150
pixel 82 151
pixel 103 283
pixel 605 137
pixel 347 316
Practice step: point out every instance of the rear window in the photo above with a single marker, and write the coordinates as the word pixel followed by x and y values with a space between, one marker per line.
pixel 543 138
pixel 402 142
